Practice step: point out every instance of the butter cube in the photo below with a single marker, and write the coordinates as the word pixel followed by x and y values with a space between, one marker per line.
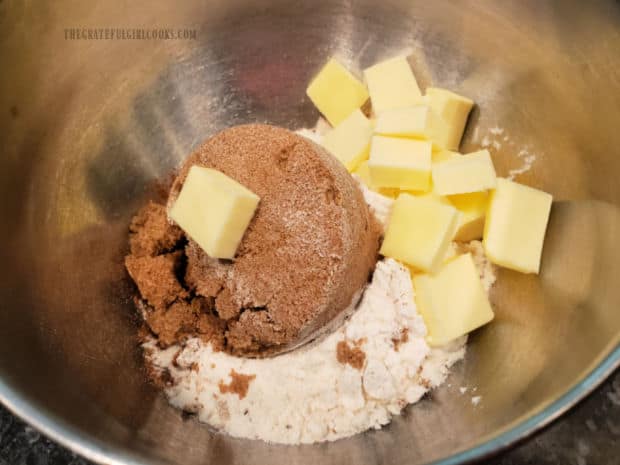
pixel 432 196
pixel 349 142
pixel 419 232
pixel 400 163
pixel 473 172
pixel 443 155
pixel 214 210
pixel 336 92
pixel 363 173
pixel 515 226
pixel 448 117
pixel 404 122
pixel 392 84
pixel 473 209
pixel 453 301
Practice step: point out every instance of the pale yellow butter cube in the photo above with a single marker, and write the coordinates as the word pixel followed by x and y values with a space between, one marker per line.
pixel 349 142
pixel 473 172
pixel 515 226
pixel 473 209
pixel 400 163
pixel 443 155
pixel 453 301
pixel 336 92
pixel 430 190
pixel 392 84
pixel 437 157
pixel 214 210
pixel 432 196
pixel 363 173
pixel 448 117
pixel 419 231
pixel 404 122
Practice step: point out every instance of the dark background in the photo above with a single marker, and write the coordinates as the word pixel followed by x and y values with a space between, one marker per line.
pixel 588 435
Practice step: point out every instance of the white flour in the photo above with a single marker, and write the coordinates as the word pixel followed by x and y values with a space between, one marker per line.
pixel 496 139
pixel 527 160
pixel 307 395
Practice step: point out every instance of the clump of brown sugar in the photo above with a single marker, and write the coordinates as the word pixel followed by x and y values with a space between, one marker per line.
pixel 239 384
pixel 350 355
pixel 156 278
pixel 303 260
pixel 151 233
pixel 401 339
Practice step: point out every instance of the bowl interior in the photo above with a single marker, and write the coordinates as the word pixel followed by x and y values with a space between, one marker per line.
pixel 89 126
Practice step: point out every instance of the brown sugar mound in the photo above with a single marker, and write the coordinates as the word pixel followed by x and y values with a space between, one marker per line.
pixel 303 261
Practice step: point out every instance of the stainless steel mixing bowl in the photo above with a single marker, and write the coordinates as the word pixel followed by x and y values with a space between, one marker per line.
pixel 86 126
